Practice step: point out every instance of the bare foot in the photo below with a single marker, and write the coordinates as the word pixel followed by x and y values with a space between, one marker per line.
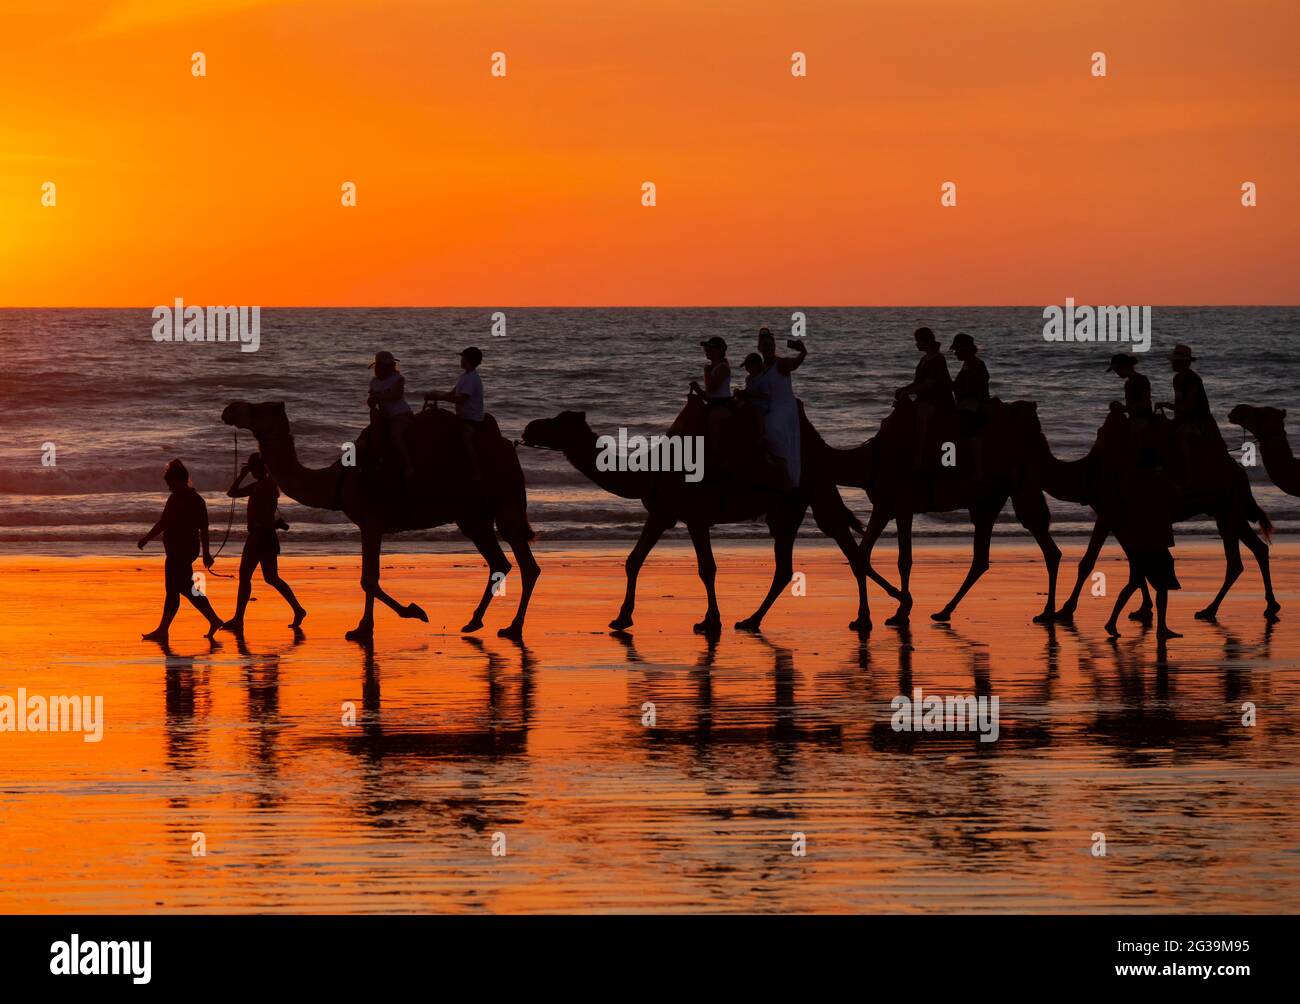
pixel 160 634
pixel 1111 629
pixel 234 626
pixel 1167 632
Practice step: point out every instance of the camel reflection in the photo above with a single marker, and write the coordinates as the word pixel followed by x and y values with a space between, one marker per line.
pixel 501 730
pixel 697 720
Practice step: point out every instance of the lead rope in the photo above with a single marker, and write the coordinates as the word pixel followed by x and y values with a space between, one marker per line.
pixel 231 521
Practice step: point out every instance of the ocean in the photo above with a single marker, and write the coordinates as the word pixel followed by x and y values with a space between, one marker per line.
pixel 116 404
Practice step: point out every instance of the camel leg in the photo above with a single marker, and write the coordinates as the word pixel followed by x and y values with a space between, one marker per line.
pixel 485 540
pixel 1143 613
pixel 529 572
pixel 371 545
pixel 1031 509
pixel 838 530
pixel 1130 587
pixel 654 528
pixel 1260 552
pixel 1232 566
pixel 979 563
pixel 875 527
pixel 708 569
pixel 903 521
pixel 1100 531
pixel 783 527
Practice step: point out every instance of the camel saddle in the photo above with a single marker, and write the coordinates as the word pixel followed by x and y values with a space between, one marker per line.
pixel 734 447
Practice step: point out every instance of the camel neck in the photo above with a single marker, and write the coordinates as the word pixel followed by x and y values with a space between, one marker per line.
pixel 1280 462
pixel 314 487
pixel 625 484
pixel 1066 480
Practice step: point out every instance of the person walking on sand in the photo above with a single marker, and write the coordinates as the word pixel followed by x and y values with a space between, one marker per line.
pixel 931 387
pixel 261 546
pixel 184 528
pixel 781 417
pixel 970 391
pixel 388 397
pixel 467 396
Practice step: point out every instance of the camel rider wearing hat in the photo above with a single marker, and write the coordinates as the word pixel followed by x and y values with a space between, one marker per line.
pixel 387 397
pixel 932 388
pixel 1194 425
pixel 1137 404
pixel 970 390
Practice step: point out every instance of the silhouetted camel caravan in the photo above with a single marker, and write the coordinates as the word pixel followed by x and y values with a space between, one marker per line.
pixel 414 472
pixel 432 499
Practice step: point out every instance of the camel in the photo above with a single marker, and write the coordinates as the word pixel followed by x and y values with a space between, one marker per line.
pixel 442 493
pixel 882 466
pixel 1223 493
pixel 1268 426
pixel 726 498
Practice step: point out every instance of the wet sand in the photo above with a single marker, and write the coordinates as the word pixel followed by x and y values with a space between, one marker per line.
pixel 756 738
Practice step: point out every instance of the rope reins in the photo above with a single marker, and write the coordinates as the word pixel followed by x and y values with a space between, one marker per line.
pixel 230 522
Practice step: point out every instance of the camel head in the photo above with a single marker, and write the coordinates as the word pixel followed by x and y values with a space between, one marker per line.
pixel 265 421
pixel 1258 421
pixel 565 430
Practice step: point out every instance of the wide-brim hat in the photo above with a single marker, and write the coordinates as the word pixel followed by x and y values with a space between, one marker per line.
pixel 1121 359
pixel 384 357
pixel 961 341
pixel 1181 352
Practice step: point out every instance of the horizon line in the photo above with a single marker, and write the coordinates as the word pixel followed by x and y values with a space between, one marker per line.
pixel 643 306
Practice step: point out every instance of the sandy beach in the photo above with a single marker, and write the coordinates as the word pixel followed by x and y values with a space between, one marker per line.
pixel 462 746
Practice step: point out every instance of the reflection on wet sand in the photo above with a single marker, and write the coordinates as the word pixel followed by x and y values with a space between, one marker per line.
pixel 661 770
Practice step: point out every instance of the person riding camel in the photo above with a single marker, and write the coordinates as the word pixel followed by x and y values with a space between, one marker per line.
pixel 970 391
pixel 387 400
pixel 716 394
pixel 1195 431
pixel 932 389
pixel 467 396
pixel 1136 406
pixel 781 416
pixel 717 375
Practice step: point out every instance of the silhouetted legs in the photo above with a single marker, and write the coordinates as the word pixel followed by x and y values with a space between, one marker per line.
pixel 1031 509
pixel 979 564
pixel 831 521
pixel 708 569
pixel 903 522
pixel 484 539
pixel 1233 566
pixel 179 581
pixel 270 564
pixel 784 526
pixel 1100 531
pixel 1137 580
pixel 654 528
pixel 371 544
pixel 529 572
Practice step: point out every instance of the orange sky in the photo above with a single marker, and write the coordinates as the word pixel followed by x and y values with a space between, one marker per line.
pixel 526 190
